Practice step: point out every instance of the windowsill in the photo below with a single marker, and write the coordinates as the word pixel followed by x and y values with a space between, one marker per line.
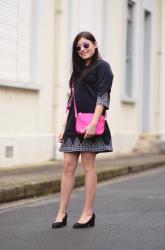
pixel 20 85
pixel 128 100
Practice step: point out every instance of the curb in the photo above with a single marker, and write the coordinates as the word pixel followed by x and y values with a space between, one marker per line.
pixel 53 186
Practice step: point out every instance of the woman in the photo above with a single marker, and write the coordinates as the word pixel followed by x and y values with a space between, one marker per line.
pixel 92 78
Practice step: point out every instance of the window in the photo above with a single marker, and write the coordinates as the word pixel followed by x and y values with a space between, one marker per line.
pixel 15 40
pixel 129 51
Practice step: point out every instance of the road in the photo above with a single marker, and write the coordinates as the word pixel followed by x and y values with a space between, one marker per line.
pixel 130 215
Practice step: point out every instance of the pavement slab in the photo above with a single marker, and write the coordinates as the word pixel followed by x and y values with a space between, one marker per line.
pixel 42 179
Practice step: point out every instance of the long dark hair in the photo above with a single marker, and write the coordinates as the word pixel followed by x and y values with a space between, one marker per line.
pixel 77 62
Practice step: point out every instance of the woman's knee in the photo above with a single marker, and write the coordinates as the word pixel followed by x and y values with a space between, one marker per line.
pixel 70 164
pixel 69 168
pixel 88 161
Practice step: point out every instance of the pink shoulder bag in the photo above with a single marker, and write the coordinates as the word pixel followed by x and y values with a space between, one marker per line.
pixel 83 119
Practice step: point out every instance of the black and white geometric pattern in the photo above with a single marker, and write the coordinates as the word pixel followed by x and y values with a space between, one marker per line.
pixel 103 100
pixel 87 145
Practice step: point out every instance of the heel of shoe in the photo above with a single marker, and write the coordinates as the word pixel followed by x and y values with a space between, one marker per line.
pixel 89 223
pixel 92 221
pixel 65 221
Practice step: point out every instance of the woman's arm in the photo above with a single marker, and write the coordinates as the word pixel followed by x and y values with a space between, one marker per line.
pixel 96 116
pixel 61 134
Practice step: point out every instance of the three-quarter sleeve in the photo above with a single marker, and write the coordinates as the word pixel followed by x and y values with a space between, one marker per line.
pixel 105 77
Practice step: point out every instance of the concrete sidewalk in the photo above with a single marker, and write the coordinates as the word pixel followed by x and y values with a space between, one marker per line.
pixel 35 180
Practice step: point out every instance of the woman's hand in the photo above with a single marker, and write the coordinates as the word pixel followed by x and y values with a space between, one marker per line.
pixel 90 130
pixel 61 135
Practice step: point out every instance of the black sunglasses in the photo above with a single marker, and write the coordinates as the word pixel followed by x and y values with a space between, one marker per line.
pixel 84 45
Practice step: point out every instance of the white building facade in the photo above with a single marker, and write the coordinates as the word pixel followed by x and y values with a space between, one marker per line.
pixel 35 63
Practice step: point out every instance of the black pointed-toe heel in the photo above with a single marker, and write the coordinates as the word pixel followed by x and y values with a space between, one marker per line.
pixel 89 223
pixel 60 224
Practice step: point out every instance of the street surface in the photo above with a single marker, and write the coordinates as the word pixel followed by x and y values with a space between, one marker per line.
pixel 130 215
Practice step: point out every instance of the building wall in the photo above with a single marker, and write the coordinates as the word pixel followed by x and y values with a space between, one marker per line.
pixel 26 130
pixel 32 112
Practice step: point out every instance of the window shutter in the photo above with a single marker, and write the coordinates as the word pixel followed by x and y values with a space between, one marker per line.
pixel 8 38
pixel 24 41
pixel 15 40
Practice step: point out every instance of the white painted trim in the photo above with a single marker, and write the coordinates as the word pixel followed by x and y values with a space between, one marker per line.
pixel 37 40
pixel 20 85
pixel 127 100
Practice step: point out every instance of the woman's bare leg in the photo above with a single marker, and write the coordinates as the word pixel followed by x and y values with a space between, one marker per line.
pixel 88 161
pixel 67 182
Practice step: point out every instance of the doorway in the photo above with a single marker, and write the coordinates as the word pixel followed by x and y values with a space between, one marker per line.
pixel 146 73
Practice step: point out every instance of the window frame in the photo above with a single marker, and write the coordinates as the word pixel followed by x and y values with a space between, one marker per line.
pixel 130 99
pixel 17 82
